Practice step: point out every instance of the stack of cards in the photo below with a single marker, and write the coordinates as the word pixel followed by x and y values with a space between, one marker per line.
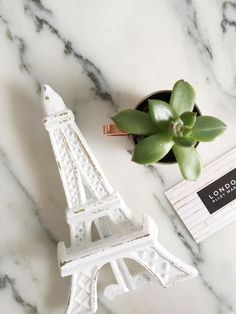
pixel 207 205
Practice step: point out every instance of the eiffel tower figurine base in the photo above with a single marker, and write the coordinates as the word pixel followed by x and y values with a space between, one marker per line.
pixel 91 200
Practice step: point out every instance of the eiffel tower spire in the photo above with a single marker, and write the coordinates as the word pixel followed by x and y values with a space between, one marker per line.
pixel 90 199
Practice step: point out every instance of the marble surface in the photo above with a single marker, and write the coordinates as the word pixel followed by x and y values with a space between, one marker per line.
pixel 103 56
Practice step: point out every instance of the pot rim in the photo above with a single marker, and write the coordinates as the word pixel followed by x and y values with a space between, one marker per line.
pixel 151 94
pixel 162 91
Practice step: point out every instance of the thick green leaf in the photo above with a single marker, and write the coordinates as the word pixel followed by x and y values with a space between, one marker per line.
pixel 185 141
pixel 189 162
pixel 182 97
pixel 160 113
pixel 186 131
pixel 135 122
pixel 207 128
pixel 152 148
pixel 189 118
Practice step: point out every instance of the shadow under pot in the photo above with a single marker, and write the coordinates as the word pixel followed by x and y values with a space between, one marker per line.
pixel 143 106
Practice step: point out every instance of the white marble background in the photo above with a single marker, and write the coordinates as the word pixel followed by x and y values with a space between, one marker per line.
pixel 102 56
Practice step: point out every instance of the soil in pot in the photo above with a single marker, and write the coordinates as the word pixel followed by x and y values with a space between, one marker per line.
pixel 143 106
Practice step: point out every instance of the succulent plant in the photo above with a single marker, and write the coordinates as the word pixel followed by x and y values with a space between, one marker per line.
pixel 171 126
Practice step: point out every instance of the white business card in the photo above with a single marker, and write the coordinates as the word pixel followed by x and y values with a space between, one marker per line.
pixel 209 204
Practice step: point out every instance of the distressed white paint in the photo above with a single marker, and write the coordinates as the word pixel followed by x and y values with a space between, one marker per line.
pixel 91 198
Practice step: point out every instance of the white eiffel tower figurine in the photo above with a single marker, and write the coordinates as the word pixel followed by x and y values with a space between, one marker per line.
pixel 91 199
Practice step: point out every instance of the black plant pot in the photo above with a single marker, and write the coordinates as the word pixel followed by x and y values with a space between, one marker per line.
pixel 163 95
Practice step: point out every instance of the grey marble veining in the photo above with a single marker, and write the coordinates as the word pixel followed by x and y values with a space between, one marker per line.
pixel 102 57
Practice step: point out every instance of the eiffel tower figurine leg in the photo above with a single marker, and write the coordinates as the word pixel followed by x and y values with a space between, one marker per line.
pixel 90 199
